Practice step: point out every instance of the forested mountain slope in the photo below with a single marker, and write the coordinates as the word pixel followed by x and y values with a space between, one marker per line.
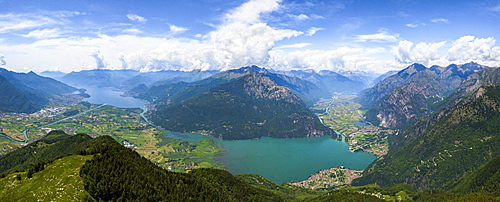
pixel 28 92
pixel 246 108
pixel 14 100
pixel 465 136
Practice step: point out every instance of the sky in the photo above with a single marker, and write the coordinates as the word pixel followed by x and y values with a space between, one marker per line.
pixel 337 35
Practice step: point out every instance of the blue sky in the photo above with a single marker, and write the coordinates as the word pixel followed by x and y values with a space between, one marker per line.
pixel 151 35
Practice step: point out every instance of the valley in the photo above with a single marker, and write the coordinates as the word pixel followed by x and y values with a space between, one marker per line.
pixel 326 145
pixel 127 127
pixel 342 113
pixel 250 100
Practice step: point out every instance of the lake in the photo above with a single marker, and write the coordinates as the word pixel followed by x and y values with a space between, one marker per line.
pixel 279 160
pixel 107 96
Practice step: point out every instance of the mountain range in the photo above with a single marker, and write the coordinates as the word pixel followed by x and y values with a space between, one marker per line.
pixel 447 147
pixel 176 92
pixel 343 82
pixel 128 79
pixel 453 141
pixel 333 82
pixel 402 99
pixel 248 107
pixel 28 92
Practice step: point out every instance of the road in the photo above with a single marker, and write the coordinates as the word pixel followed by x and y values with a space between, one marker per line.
pixel 26 139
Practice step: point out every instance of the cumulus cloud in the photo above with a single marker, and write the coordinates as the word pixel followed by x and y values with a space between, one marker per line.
pixel 470 48
pixel 121 58
pixel 462 50
pixel 136 18
pixel 343 58
pixel 99 59
pixel 423 53
pixel 403 51
pixel 242 39
pixel 251 11
pixel 44 33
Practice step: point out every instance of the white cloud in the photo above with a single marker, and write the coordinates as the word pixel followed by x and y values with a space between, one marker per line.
pixel 132 31
pixel 382 36
pixel 343 58
pixel 251 11
pixel 440 20
pixel 413 25
pixel 313 31
pixel 42 20
pixel 15 22
pixel 316 16
pixel 44 33
pixel 243 38
pixel 98 57
pixel 296 45
pixel 177 30
pixel 402 51
pixel 470 48
pixel 423 53
pixel 462 50
pixel 2 60
pixel 300 17
pixel 136 18
pixel 236 42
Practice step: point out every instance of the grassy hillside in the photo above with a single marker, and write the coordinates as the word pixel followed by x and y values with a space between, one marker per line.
pixel 55 144
pixel 59 181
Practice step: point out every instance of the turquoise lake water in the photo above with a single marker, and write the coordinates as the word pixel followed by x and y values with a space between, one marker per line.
pixel 279 160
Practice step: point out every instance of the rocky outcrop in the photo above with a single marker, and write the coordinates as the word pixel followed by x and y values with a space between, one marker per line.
pixel 403 99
